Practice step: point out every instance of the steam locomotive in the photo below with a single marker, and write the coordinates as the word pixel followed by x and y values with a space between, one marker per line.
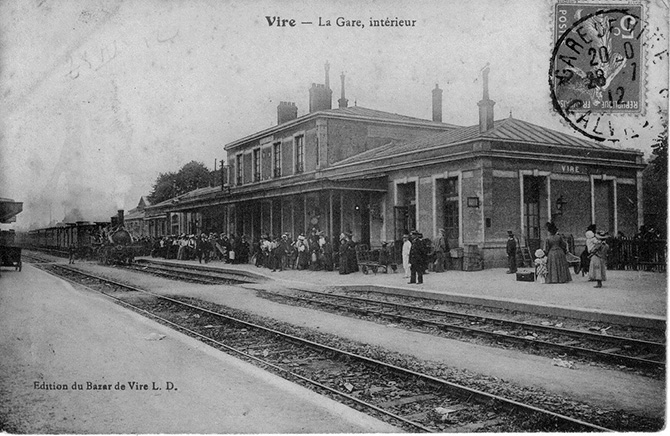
pixel 117 247
pixel 107 241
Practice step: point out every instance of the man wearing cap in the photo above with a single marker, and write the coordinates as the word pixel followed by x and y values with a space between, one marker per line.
pixel 511 253
pixel 417 258
pixel 203 248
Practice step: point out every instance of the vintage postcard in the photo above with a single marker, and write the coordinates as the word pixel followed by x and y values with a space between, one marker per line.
pixel 222 217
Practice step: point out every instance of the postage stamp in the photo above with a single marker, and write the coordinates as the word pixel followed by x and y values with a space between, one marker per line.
pixel 598 64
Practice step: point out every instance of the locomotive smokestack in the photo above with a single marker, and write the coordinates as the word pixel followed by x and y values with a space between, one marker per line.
pixel 119 218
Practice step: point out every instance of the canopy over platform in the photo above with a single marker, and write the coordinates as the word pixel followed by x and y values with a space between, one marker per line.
pixel 9 209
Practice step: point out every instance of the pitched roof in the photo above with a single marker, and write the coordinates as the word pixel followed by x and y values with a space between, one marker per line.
pixel 359 111
pixel 353 112
pixel 187 196
pixel 507 130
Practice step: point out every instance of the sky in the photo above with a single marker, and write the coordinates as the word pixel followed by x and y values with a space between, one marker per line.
pixel 100 96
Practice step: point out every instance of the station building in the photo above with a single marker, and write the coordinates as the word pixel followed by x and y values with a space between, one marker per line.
pixel 378 174
pixel 134 221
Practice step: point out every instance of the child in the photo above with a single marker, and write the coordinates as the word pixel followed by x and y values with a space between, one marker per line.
pixel 541 265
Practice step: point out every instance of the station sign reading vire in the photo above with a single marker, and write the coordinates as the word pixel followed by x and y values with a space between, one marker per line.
pixel 571 169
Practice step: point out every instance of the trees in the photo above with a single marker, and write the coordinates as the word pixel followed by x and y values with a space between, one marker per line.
pixel 191 176
pixel 655 185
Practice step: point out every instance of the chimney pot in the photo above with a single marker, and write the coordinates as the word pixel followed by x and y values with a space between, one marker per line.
pixel 286 111
pixel 320 95
pixel 437 104
pixel 486 105
pixel 343 102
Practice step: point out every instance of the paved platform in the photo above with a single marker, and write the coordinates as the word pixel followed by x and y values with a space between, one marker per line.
pixel 54 337
pixel 636 298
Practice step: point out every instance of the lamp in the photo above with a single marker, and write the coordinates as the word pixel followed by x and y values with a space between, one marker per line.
pixel 560 203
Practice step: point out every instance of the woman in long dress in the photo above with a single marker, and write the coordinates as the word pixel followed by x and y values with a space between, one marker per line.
pixel 598 253
pixel 558 270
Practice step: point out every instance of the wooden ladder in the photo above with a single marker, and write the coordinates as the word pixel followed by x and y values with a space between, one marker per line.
pixel 523 257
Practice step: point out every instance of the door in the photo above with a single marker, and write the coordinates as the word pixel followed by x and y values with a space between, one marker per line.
pixel 451 211
pixel 603 197
pixel 405 220
pixel 531 204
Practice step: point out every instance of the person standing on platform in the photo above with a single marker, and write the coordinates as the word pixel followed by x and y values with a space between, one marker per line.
pixel 540 266
pixel 558 270
pixel 302 247
pixel 417 258
pixel 598 249
pixel 406 247
pixel 327 249
pixel 511 252
pixel 72 249
pixel 351 253
pixel 343 262
pixel 441 250
pixel 203 248
pixel 585 257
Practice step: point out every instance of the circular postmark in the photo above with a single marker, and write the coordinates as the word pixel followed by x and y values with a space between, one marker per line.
pixel 597 68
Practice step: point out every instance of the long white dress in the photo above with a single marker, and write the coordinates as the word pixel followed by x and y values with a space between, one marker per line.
pixel 598 252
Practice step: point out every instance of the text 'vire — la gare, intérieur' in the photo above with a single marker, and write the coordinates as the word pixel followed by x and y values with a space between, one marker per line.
pixel 277 21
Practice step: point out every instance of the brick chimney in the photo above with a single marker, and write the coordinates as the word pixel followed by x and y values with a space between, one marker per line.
pixel 343 102
pixel 486 105
pixel 321 96
pixel 286 111
pixel 437 104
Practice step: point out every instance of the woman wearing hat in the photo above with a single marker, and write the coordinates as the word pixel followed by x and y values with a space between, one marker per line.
pixel 302 246
pixel 598 248
pixel 558 270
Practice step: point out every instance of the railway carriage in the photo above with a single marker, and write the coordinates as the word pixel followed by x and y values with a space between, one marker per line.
pixel 10 253
pixel 58 239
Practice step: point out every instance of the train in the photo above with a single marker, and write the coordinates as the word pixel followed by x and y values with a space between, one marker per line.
pixel 107 241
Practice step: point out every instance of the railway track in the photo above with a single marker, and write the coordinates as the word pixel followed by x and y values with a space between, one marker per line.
pixel 414 399
pixel 192 273
pixel 604 347
pixel 607 348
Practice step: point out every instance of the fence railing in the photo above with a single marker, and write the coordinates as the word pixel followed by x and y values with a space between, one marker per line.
pixel 637 254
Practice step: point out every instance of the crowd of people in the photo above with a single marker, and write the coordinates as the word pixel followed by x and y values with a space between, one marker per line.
pixel 204 247
pixel 315 252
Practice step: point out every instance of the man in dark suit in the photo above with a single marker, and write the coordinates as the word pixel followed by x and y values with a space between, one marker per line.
pixel 417 258
pixel 511 252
